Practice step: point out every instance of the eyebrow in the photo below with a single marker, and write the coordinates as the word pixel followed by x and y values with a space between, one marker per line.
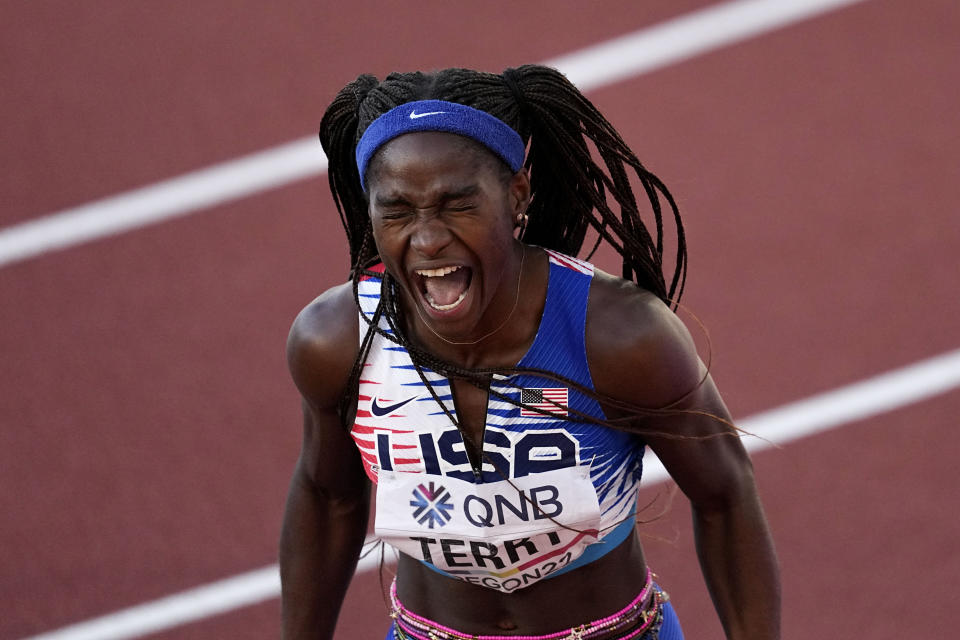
pixel 446 196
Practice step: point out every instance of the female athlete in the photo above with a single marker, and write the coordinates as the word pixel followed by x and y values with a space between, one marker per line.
pixel 499 391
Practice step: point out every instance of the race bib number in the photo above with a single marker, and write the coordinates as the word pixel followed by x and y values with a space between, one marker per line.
pixel 502 535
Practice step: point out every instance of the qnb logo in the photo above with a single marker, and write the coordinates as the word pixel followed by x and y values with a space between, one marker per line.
pixel 431 505
pixel 543 502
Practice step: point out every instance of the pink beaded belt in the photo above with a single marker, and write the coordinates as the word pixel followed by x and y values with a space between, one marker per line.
pixel 643 615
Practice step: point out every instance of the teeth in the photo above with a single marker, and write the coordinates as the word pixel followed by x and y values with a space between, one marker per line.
pixel 447 307
pixel 436 273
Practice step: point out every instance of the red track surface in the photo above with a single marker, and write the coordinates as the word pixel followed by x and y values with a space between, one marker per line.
pixel 147 425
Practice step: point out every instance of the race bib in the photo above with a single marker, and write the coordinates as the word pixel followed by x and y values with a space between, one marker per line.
pixel 502 535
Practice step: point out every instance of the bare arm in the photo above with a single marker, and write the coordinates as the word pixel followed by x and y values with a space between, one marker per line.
pixel 733 541
pixel 327 506
pixel 641 352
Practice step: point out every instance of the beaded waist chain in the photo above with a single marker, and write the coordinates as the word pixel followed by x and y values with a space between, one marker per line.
pixel 643 615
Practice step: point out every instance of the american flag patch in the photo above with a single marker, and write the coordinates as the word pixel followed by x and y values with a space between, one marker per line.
pixel 553 401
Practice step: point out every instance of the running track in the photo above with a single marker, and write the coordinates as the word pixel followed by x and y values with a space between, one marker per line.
pixel 147 425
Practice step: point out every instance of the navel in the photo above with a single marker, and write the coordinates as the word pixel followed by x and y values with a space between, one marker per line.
pixel 506 624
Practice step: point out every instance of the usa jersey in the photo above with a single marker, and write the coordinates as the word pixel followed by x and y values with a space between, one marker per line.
pixel 553 492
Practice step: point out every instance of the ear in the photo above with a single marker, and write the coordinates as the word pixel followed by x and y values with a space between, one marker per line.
pixel 519 190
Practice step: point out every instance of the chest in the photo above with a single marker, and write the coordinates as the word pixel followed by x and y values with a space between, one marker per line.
pixel 470 410
pixel 453 428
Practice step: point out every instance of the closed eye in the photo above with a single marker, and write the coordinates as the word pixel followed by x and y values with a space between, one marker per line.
pixel 396 214
pixel 395 211
pixel 462 201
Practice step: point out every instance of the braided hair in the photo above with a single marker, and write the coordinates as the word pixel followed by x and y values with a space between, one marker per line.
pixel 580 174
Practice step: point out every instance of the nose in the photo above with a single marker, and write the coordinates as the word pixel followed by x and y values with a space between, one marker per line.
pixel 430 235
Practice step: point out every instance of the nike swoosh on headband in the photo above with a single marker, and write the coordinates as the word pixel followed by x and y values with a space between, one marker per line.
pixel 414 115
pixel 379 410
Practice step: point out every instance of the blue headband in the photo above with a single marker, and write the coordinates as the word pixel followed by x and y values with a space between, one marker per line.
pixel 439 115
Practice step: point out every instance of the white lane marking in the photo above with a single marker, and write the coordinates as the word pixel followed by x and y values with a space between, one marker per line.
pixel 192 605
pixel 831 409
pixel 780 426
pixel 672 41
pixel 232 593
pixel 685 37
pixel 172 198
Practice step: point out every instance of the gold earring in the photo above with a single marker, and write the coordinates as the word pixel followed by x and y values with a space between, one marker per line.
pixel 522 220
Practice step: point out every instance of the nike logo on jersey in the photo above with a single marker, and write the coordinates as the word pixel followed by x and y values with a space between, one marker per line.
pixel 380 410
pixel 414 115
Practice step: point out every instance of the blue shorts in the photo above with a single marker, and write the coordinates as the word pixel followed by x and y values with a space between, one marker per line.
pixel 669 630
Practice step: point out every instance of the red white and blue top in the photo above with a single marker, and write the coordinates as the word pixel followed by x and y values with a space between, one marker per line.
pixel 553 493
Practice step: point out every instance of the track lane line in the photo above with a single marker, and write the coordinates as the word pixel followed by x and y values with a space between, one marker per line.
pixel 780 426
pixel 687 36
pixel 177 197
pixel 667 43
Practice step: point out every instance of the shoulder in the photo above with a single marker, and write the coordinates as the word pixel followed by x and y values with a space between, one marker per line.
pixel 638 349
pixel 323 344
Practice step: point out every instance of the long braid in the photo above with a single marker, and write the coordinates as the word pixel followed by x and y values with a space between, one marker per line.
pixel 338 136
pixel 571 191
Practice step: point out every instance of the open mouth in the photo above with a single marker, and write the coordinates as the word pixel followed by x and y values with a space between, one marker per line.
pixel 444 288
